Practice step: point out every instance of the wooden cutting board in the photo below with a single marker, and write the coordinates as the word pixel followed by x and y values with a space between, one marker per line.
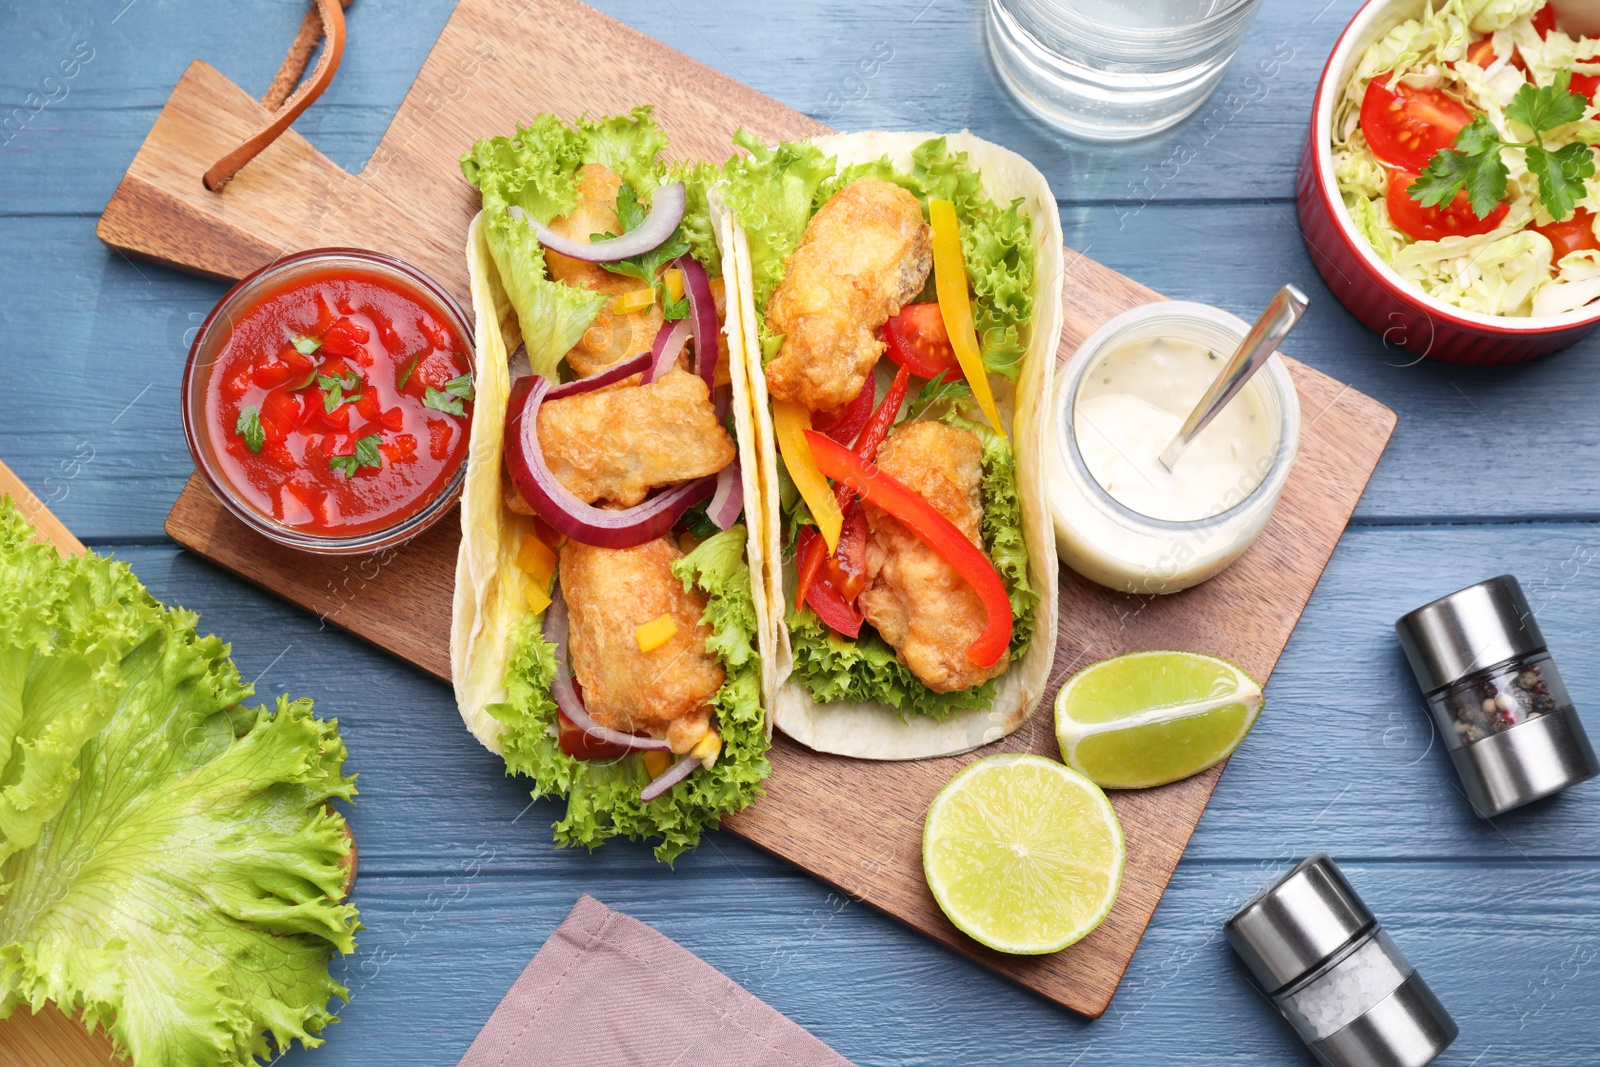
pixel 854 824
pixel 48 1038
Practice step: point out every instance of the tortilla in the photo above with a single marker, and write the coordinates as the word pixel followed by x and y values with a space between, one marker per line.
pixel 877 731
pixel 488 591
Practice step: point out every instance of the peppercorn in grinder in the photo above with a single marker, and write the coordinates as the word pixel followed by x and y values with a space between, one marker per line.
pixel 1496 696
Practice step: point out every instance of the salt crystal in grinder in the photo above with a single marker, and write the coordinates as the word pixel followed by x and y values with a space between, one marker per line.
pixel 1496 696
pixel 1332 972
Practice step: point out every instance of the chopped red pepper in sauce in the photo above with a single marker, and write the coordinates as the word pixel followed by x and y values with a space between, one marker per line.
pixel 339 403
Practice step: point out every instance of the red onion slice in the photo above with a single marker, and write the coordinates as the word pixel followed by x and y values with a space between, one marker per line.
pixel 566 697
pixel 703 318
pixel 667 204
pixel 728 500
pixel 614 373
pixel 668 346
pixel 564 512
pixel 669 778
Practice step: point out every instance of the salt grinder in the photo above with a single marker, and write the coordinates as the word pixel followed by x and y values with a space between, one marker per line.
pixel 1332 972
pixel 1496 696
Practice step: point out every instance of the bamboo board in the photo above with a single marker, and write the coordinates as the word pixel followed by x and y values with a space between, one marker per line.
pixel 854 824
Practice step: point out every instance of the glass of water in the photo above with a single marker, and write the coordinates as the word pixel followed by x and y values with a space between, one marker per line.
pixel 1114 70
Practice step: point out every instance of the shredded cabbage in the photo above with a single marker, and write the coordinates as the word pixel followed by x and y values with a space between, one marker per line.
pixel 1506 271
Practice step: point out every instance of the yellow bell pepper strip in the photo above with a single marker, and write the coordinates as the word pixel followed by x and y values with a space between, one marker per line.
pixel 535 598
pixel 635 300
pixel 536 559
pixel 955 306
pixel 655 633
pixel 672 278
pixel 707 749
pixel 656 761
pixel 934 530
pixel 791 423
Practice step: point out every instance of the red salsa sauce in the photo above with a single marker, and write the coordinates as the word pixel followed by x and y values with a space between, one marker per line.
pixel 340 403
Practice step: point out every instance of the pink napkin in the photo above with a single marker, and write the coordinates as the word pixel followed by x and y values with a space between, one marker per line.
pixel 608 991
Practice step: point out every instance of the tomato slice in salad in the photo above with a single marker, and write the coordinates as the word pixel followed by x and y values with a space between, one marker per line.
pixel 917 340
pixel 1544 20
pixel 1455 219
pixel 1573 234
pixel 1405 126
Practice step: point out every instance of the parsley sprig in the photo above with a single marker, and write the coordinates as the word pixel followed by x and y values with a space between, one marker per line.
pixel 448 399
pixel 937 391
pixel 248 426
pixel 1475 162
pixel 647 265
pixel 365 455
pixel 333 389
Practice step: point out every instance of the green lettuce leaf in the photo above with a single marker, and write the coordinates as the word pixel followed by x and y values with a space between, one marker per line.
pixel 603 796
pixel 833 667
pixel 772 191
pixel 536 170
pixel 184 889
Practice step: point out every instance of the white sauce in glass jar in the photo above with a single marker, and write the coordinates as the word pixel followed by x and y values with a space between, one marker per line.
pixel 1122 519
pixel 1131 405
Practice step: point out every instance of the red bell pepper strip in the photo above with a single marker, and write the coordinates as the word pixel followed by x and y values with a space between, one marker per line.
pixel 877 427
pixel 935 531
pixel 809 554
pixel 844 426
pixel 831 607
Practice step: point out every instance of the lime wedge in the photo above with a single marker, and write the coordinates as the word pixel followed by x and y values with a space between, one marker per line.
pixel 1024 855
pixel 1149 718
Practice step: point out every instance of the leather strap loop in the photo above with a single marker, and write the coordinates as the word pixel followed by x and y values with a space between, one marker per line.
pixel 328 17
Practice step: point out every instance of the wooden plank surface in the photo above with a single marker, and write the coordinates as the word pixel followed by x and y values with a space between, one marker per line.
pixel 1489 471
pixel 295 198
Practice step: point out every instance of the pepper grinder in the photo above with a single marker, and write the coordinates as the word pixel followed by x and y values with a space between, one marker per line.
pixel 1496 696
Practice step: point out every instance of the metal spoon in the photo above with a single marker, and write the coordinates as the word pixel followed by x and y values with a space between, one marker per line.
pixel 1253 352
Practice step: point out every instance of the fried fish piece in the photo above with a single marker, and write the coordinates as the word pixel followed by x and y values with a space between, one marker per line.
pixel 611 337
pixel 864 255
pixel 617 444
pixel 914 597
pixel 665 692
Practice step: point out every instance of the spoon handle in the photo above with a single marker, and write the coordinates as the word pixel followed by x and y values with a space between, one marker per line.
pixel 1253 352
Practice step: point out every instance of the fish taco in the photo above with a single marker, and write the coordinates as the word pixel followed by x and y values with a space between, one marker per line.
pixel 899 330
pixel 607 627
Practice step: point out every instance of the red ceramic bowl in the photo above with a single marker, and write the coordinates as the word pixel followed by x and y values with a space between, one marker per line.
pixel 1404 316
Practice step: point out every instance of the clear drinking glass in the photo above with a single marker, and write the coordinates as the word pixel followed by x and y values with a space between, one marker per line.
pixel 1114 70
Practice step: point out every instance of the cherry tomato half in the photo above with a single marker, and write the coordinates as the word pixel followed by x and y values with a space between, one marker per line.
pixel 1454 219
pixel 1574 234
pixel 1406 126
pixel 579 745
pixel 917 340
pixel 1544 20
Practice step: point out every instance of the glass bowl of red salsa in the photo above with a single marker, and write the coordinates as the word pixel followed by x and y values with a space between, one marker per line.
pixel 327 401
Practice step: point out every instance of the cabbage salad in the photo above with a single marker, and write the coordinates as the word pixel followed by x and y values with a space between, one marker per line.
pixel 1461 146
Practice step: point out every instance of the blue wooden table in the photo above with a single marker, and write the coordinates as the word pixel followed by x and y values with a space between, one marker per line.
pixel 1490 471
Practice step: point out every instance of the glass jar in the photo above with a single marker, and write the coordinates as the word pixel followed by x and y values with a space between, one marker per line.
pixel 1335 975
pixel 1496 696
pixel 1109 542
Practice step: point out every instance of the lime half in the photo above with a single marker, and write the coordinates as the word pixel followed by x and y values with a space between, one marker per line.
pixel 1024 855
pixel 1149 718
